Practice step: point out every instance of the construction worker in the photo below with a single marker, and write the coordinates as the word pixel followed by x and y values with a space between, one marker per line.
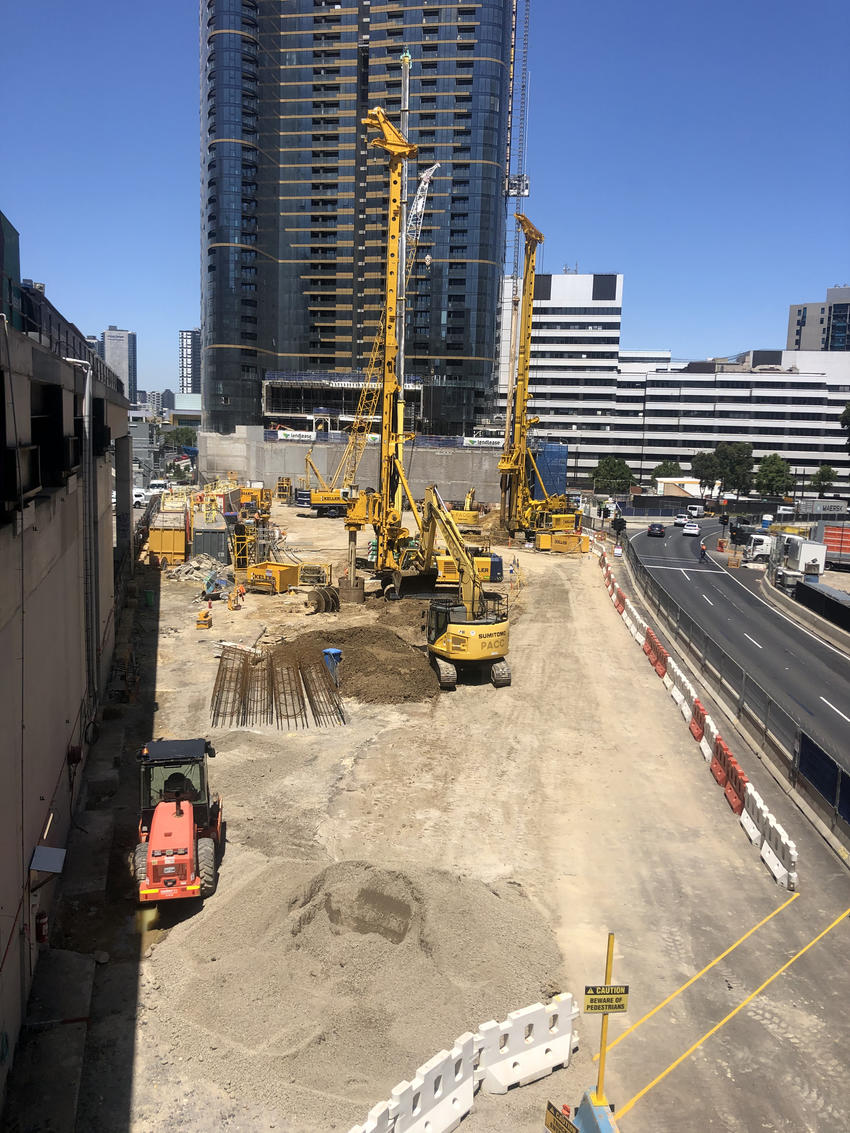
pixel 703 551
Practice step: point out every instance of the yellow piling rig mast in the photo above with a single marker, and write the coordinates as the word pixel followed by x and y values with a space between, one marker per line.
pixel 519 510
pixel 333 494
pixel 367 404
pixel 383 509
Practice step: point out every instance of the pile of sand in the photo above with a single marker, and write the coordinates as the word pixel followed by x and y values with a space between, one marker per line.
pixel 377 666
pixel 355 978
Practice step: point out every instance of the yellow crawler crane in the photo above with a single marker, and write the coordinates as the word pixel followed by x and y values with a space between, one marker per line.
pixel 520 511
pixel 470 630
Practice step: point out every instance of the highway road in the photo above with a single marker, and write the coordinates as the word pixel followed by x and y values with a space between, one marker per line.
pixel 807 677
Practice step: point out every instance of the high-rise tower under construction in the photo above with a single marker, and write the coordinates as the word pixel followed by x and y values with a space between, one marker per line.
pixel 294 200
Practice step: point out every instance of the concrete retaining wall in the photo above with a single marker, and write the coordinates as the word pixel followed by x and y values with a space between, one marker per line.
pixel 453 470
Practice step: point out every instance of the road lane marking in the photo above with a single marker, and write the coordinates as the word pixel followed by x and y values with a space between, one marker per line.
pixel 685 573
pixel 693 979
pixel 702 570
pixel 753 640
pixel 717 1026
pixel 834 709
pixel 708 600
pixel 796 626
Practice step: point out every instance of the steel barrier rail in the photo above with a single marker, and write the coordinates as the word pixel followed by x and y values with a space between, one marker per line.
pixel 803 757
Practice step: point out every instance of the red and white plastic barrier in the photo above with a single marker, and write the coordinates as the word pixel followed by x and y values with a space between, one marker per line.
pixel 778 851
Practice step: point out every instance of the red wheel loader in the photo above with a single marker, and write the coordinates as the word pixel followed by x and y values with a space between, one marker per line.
pixel 180 829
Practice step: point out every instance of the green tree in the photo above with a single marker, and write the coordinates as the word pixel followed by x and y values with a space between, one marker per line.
pixel 845 421
pixel 612 474
pixel 774 477
pixel 705 466
pixel 182 435
pixel 666 468
pixel 823 479
pixel 735 466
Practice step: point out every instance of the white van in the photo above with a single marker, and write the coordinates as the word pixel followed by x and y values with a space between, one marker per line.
pixel 696 511
pixel 157 487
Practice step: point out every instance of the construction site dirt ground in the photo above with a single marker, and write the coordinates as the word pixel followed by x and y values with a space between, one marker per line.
pixel 441 860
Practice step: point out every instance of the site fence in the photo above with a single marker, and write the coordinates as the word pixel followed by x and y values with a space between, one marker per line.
pixel 810 764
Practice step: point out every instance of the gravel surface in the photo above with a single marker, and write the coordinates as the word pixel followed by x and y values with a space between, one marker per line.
pixel 438 862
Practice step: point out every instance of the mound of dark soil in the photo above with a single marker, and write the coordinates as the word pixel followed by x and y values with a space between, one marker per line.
pixel 377 666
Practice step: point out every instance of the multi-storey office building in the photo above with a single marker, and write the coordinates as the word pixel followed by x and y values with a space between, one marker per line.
pixel 190 360
pixel 118 350
pixel 821 326
pixel 295 199
pixel 639 405
pixel 64 556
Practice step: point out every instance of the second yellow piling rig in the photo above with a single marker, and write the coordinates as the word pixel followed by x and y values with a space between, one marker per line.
pixel 383 508
pixel 520 511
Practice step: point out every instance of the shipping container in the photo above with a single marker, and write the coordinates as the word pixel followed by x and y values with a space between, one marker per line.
pixel 210 538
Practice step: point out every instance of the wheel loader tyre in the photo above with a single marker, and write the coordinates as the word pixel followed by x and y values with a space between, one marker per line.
pixel 140 862
pixel 206 866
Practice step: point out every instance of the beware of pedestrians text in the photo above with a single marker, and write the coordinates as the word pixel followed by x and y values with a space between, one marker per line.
pixel 602 999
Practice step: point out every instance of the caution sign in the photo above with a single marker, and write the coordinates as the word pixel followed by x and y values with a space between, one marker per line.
pixel 602 999
pixel 558 1122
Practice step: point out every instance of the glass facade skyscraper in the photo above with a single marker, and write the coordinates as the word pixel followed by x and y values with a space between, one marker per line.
pixel 294 199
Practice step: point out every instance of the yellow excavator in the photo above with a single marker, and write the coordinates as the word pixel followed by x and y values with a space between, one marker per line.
pixel 468 514
pixel 469 631
pixel 520 511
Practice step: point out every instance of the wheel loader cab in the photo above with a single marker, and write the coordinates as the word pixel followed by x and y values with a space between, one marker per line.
pixel 172 770
pixel 168 782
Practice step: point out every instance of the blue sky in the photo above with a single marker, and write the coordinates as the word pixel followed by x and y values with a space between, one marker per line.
pixel 699 149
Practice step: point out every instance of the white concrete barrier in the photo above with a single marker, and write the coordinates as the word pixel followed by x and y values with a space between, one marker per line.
pixel 710 734
pixel 528 1045
pixel 689 695
pixel 441 1093
pixel 677 677
pixel 754 815
pixel 779 854
pixel 381 1119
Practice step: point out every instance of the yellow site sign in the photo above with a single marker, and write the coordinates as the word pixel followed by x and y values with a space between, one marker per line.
pixel 558 1122
pixel 606 998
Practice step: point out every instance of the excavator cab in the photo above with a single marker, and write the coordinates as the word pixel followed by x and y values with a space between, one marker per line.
pixel 458 640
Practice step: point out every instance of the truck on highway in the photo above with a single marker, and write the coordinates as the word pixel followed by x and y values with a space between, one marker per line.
pixel 759 548
pixel 835 534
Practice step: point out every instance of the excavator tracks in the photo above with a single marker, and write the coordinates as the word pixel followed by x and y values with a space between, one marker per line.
pixel 446 672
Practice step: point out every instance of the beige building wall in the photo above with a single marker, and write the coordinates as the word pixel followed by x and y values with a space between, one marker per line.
pixel 46 705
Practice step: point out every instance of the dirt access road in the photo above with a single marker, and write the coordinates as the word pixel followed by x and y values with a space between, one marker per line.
pixel 439 862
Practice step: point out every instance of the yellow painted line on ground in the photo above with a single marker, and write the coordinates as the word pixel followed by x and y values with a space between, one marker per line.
pixel 693 979
pixel 717 1026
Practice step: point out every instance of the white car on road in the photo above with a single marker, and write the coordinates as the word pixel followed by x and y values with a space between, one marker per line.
pixel 681 519
pixel 690 528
